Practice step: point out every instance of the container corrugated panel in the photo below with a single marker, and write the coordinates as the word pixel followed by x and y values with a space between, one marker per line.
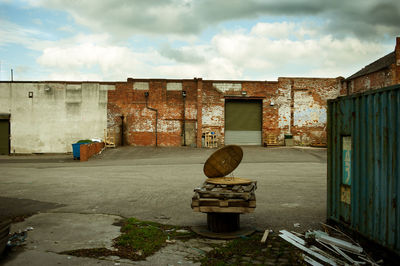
pixel 363 164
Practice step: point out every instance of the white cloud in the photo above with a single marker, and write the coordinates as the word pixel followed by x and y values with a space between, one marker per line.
pixel 266 51
pixel 74 76
pixel 114 62
pixel 230 55
pixel 322 56
pixel 214 68
pixel 66 28
pixel 277 30
pixel 118 63
pixel 13 33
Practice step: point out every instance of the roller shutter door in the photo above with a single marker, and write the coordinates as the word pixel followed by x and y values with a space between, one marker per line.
pixel 243 120
pixel 4 136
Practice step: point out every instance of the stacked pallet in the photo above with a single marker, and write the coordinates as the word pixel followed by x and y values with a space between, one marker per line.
pixel 272 140
pixel 225 198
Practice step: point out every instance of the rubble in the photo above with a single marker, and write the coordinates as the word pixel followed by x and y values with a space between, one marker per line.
pixel 321 247
pixel 223 197
pixel 246 191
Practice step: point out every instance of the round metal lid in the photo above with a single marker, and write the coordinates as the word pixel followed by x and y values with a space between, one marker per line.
pixel 223 161
pixel 228 181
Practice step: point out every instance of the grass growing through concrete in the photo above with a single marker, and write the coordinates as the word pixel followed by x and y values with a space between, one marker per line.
pixel 138 240
pixel 250 251
pixel 145 238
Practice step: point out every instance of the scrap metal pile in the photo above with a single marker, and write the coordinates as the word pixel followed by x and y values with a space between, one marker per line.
pixel 329 247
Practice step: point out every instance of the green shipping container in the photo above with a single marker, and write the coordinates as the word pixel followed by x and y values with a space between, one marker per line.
pixel 363 164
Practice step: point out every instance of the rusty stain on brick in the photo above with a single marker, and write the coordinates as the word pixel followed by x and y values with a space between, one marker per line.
pixel 290 105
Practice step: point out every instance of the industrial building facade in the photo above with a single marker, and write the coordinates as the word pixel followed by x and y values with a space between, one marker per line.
pixel 44 117
pixel 180 112
pixel 47 117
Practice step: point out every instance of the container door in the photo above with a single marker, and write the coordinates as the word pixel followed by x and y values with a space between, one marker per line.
pixel 4 137
pixel 243 119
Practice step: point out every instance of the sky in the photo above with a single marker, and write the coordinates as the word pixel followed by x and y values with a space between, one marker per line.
pixel 110 40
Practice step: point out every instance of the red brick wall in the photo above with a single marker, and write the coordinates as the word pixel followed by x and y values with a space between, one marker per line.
pixel 309 110
pixel 373 81
pixel 140 122
pixel 396 78
pixel 290 106
pixel 379 79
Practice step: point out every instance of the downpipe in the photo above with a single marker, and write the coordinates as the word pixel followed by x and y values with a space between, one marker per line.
pixel 146 94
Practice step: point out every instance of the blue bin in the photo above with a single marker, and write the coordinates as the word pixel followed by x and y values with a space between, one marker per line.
pixel 76 150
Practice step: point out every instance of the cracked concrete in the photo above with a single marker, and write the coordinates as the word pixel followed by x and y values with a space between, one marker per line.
pixel 57 232
pixel 149 184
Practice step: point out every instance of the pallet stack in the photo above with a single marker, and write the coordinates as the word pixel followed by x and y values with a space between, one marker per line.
pixel 225 198
pixel 211 140
pixel 272 140
pixel 109 138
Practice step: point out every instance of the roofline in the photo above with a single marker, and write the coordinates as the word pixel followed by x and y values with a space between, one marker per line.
pixel 356 75
pixel 165 80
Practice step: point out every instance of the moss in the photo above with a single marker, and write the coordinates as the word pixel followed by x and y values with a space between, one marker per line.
pixel 138 240
pixel 247 250
pixel 85 141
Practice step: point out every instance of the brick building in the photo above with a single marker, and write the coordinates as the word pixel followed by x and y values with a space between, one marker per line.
pixel 381 73
pixel 42 116
pixel 180 112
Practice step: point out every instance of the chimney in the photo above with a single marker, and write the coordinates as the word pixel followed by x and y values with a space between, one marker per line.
pixel 396 73
pixel 397 49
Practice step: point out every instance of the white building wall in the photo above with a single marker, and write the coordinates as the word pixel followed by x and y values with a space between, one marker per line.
pixel 58 115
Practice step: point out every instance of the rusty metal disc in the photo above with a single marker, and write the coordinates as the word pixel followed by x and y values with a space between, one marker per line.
pixel 223 161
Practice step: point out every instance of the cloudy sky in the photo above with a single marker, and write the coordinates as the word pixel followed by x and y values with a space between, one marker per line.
pixel 111 40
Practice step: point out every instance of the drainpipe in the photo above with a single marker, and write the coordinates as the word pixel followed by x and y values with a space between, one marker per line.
pixel 146 94
pixel 122 130
pixel 184 118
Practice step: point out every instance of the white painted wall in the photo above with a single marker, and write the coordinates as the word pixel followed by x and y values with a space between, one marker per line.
pixel 5 96
pixel 224 87
pixel 58 115
pixel 308 113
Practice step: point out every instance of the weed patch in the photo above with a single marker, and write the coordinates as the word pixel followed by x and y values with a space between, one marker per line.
pixel 138 240
pixel 250 251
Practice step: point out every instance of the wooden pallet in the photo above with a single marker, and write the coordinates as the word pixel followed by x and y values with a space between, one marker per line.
pixel 272 140
pixel 318 144
pixel 211 140
pixel 227 195
pixel 212 209
pixel 224 206
pixel 223 203
pixel 109 139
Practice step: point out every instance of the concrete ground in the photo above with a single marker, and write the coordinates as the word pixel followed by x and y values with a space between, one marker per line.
pixel 79 201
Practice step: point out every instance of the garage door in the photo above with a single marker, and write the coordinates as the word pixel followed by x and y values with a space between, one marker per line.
pixel 4 136
pixel 243 122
